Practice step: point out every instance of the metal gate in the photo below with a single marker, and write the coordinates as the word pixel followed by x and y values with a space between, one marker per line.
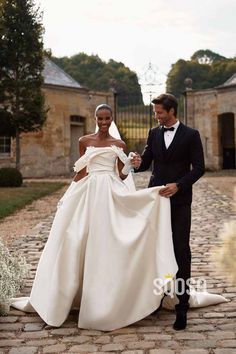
pixel 134 122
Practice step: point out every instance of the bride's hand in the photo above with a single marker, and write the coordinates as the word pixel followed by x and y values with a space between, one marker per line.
pixel 135 160
pixel 79 175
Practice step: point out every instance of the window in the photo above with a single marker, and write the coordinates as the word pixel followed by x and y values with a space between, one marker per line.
pixel 77 120
pixel 5 145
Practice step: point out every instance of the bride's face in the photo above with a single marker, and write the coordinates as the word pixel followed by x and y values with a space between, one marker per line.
pixel 104 119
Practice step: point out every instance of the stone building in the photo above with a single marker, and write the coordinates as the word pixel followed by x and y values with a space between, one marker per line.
pixel 53 150
pixel 213 113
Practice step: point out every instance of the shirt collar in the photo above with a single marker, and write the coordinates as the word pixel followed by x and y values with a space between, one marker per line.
pixel 174 126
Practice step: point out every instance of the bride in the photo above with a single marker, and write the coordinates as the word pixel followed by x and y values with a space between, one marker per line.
pixel 108 244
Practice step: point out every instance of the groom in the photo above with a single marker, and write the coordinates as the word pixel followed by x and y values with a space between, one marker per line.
pixel 178 162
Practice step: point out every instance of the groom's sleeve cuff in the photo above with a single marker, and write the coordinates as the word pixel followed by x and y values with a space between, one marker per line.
pixel 179 185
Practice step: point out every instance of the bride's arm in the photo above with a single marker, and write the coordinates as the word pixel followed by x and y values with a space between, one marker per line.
pixel 120 164
pixel 125 166
pixel 82 173
pixel 120 168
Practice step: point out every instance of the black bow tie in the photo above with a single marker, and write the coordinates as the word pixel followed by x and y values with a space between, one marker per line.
pixel 166 129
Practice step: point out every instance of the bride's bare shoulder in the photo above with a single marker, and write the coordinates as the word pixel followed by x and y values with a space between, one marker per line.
pixel 120 144
pixel 86 139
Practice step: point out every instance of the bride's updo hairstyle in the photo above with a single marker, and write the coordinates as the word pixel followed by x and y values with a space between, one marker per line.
pixel 102 106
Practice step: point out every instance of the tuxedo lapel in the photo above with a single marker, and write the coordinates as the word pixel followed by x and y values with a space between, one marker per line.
pixel 159 139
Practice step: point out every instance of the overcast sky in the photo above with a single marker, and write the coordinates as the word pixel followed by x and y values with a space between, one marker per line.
pixel 137 32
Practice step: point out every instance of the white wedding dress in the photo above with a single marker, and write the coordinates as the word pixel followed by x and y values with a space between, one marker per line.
pixel 107 244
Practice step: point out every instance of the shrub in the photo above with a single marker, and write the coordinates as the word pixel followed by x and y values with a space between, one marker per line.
pixel 225 255
pixel 10 177
pixel 13 269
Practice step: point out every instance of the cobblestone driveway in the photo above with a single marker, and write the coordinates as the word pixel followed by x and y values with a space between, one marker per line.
pixel 211 330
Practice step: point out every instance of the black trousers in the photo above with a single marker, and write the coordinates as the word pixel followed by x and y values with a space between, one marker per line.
pixel 181 225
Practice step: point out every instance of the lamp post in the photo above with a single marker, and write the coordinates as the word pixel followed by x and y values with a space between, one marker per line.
pixel 149 79
pixel 188 82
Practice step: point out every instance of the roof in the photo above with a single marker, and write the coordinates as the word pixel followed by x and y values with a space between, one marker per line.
pixel 54 75
pixel 230 82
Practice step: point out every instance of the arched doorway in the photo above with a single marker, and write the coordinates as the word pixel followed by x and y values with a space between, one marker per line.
pixel 76 131
pixel 227 140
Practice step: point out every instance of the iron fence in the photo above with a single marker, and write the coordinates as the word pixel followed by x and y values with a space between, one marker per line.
pixel 134 122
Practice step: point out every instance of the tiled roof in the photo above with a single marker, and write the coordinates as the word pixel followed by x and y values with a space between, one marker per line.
pixel 54 75
pixel 230 81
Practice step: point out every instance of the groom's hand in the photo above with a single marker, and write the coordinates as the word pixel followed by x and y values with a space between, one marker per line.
pixel 136 160
pixel 169 190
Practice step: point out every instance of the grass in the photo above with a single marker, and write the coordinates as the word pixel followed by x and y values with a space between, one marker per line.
pixel 12 199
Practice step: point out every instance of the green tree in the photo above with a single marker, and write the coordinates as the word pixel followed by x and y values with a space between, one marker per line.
pixel 222 71
pixel 94 73
pixel 21 65
pixel 206 56
pixel 181 70
pixel 206 69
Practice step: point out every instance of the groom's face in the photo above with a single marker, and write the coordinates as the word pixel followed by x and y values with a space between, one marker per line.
pixel 161 114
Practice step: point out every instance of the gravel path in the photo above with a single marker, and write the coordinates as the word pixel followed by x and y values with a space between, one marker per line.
pixel 21 222
pixel 211 330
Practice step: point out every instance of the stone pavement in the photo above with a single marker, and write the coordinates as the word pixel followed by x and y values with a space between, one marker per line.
pixel 211 330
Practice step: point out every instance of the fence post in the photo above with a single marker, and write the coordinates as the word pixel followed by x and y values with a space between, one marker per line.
pixel 150 114
pixel 115 106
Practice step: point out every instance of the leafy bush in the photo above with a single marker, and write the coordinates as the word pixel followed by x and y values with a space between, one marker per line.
pixel 225 255
pixel 10 177
pixel 13 269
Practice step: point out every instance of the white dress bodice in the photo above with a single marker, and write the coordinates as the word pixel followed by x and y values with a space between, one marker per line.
pixel 100 159
pixel 105 162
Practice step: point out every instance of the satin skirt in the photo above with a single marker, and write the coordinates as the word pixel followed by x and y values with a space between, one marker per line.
pixel 106 247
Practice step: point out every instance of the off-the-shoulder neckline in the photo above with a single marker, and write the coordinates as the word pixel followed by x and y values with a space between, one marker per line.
pixel 103 147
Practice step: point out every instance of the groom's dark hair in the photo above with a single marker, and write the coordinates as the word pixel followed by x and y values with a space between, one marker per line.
pixel 168 101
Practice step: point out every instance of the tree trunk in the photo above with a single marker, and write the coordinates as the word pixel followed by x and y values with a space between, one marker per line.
pixel 17 149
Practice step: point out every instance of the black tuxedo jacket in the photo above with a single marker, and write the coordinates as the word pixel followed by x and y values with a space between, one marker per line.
pixel 182 162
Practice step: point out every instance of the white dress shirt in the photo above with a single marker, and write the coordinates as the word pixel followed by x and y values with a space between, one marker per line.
pixel 169 135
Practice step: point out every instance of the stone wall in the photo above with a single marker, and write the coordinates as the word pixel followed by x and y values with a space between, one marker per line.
pixel 47 152
pixel 203 110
